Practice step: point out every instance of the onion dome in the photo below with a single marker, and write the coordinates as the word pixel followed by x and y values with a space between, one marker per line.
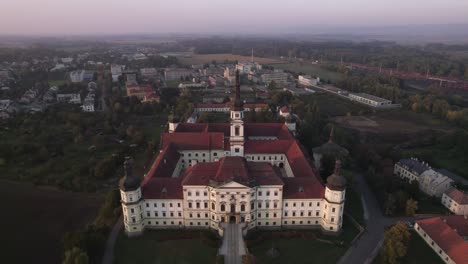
pixel 335 181
pixel 129 182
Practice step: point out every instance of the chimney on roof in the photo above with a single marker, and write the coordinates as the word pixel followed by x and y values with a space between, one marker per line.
pixel 165 161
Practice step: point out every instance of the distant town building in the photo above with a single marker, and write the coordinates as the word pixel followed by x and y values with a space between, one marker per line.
pixel 370 100
pixel 73 98
pixel 247 67
pixel 81 76
pixel 66 60
pixel 88 102
pixel 116 71
pixel 176 74
pixel 280 78
pixel 306 80
pixel 456 201
pixel 149 73
pixel 225 108
pixel 151 97
pixel 446 235
pixel 139 91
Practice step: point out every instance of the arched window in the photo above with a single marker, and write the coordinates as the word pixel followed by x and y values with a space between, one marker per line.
pixel 242 207
pixel 223 208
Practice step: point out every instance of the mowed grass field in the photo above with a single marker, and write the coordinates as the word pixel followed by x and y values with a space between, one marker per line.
pixel 220 58
pixel 153 248
pixel 302 251
pixel 312 69
pixel 34 221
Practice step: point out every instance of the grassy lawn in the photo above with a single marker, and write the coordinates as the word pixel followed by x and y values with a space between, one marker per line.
pixel 420 252
pixel 313 70
pixel 353 205
pixel 301 250
pixel 149 248
pixel 427 205
pixel 332 105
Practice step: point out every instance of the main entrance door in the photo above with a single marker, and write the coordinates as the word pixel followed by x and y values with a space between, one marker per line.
pixel 232 219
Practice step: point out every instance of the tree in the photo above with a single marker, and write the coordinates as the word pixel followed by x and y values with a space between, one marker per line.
pixel 396 241
pixel 411 207
pixel 75 256
pixel 272 85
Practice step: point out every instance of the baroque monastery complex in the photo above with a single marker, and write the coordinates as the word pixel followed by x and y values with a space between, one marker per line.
pixel 251 173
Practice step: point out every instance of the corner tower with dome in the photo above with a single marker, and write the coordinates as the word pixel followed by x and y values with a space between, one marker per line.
pixel 255 174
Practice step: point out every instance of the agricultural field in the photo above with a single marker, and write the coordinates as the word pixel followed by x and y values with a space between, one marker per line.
pixel 313 70
pixel 37 219
pixel 394 121
pixel 220 58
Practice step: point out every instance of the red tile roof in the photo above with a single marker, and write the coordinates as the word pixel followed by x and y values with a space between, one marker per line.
pixel 229 104
pixel 442 231
pixel 163 188
pixel 232 168
pixel 165 163
pixel 278 130
pixel 194 141
pixel 457 195
pixel 303 188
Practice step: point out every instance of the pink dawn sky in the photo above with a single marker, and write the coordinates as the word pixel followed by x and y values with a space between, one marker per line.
pixel 25 17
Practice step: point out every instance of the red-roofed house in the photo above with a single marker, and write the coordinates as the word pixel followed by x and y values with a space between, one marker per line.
pixel 446 236
pixel 284 111
pixel 255 173
pixel 456 201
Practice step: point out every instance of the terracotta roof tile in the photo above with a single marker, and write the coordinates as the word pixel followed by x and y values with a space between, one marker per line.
pixel 442 231
pixel 457 195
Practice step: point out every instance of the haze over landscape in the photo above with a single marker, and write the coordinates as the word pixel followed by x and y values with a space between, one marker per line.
pixel 55 17
pixel 234 131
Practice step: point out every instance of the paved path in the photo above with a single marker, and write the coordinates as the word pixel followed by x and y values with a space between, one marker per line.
pixel 233 244
pixel 109 251
pixel 366 248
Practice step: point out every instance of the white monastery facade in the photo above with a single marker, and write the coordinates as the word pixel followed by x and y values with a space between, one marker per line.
pixel 252 173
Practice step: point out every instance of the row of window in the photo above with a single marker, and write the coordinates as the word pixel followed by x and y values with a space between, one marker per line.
pixel 253 158
pixel 155 205
pixel 302 204
pixel 293 213
pixel 196 154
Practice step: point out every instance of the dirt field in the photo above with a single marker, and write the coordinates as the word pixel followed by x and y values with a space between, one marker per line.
pixel 34 221
pixel 220 58
pixel 393 122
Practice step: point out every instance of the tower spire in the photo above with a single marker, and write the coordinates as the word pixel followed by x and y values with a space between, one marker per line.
pixel 252 56
pixel 332 134
pixel 237 100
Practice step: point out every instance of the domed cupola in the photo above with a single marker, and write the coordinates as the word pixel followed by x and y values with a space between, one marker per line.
pixel 335 181
pixel 129 182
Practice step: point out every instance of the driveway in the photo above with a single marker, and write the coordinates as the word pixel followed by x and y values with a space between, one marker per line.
pixel 233 244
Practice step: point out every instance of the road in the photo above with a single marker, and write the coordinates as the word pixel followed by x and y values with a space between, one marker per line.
pixel 366 248
pixel 233 244
pixel 109 250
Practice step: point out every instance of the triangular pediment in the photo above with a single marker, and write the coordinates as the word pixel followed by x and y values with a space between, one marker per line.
pixel 232 184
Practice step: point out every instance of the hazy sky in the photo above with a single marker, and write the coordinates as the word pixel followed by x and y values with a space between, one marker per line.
pixel 272 16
